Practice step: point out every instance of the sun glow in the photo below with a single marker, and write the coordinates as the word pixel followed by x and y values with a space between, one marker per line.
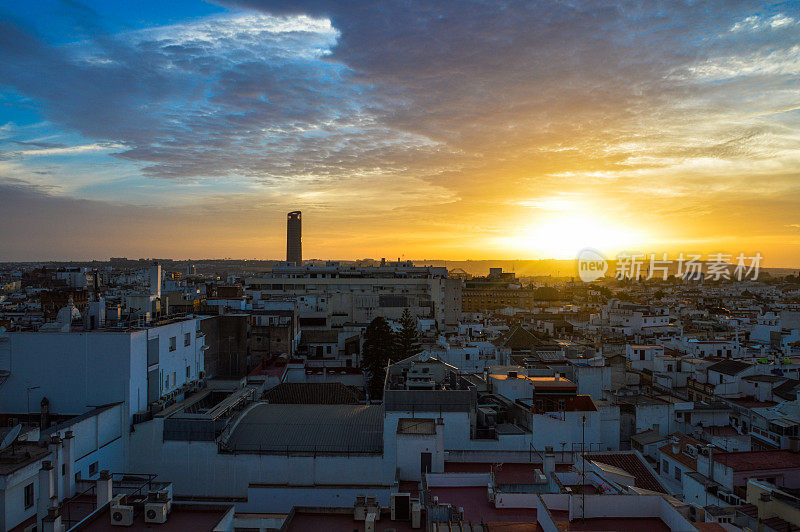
pixel 563 235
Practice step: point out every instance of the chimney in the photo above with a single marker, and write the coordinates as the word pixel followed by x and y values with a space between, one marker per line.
pixel 45 489
pixel 676 445
pixel 549 464
pixel 104 488
pixel 54 446
pixel 68 456
pixel 794 444
pixel 763 502
pixel 52 522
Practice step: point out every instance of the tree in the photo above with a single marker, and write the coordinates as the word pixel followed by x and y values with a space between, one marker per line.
pixel 379 348
pixel 407 337
pixel 545 293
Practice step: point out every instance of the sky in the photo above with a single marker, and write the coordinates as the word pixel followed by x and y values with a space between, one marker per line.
pixel 439 130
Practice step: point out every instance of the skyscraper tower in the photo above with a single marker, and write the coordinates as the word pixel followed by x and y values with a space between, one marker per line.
pixel 294 247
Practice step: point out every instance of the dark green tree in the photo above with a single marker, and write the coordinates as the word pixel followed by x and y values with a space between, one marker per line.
pixel 545 293
pixel 379 348
pixel 408 343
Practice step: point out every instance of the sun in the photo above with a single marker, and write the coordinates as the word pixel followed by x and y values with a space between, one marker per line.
pixel 562 235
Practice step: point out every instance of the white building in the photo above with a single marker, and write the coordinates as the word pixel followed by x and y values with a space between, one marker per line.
pixel 359 294
pixel 642 357
pixel 79 370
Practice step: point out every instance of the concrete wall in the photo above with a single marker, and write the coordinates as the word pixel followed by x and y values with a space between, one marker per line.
pixel 75 370
pixel 12 495
pixel 409 451
pixel 196 468
pixel 78 371
pixel 281 499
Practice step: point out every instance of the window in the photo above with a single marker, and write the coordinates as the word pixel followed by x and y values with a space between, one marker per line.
pixel 29 496
pixel 665 467
pixel 677 473
pixel 172 343
pixel 187 339
pixel 93 469
pixel 188 372
pixel 466 356
pixel 174 378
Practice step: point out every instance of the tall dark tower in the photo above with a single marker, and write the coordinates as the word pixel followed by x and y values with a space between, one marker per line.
pixel 294 246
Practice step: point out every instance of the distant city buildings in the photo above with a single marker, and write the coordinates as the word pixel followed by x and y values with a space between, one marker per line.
pixel 230 396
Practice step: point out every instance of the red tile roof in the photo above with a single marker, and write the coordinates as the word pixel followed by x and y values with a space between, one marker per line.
pixel 682 457
pixel 758 460
pixel 630 463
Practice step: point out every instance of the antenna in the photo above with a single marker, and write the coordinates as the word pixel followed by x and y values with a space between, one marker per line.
pixel 10 437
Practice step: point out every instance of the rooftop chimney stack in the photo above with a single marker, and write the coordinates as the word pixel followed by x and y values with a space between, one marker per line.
pixel 294 248
pixel 105 489
pixel 45 489
pixel 549 464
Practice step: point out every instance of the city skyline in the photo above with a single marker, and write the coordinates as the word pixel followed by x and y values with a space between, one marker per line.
pixel 450 132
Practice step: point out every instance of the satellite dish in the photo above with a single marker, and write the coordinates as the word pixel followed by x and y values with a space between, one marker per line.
pixel 10 437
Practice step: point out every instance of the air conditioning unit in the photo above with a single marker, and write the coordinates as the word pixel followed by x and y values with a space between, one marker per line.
pixel 374 507
pixel 360 508
pixel 122 515
pixel 369 523
pixel 155 512
pixel 416 515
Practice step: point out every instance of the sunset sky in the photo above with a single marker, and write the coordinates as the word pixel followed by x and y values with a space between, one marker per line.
pixel 446 130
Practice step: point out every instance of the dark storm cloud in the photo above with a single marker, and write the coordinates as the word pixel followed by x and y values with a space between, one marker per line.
pixel 499 76
pixel 409 87
pixel 244 94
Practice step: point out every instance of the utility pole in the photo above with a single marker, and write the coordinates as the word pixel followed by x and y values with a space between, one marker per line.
pixel 583 469
pixel 28 394
pixel 230 356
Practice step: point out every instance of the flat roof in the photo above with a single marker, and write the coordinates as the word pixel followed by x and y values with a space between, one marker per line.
pixel 338 520
pixel 758 460
pixel 269 428
pixel 21 454
pixel 195 517
pixel 478 509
